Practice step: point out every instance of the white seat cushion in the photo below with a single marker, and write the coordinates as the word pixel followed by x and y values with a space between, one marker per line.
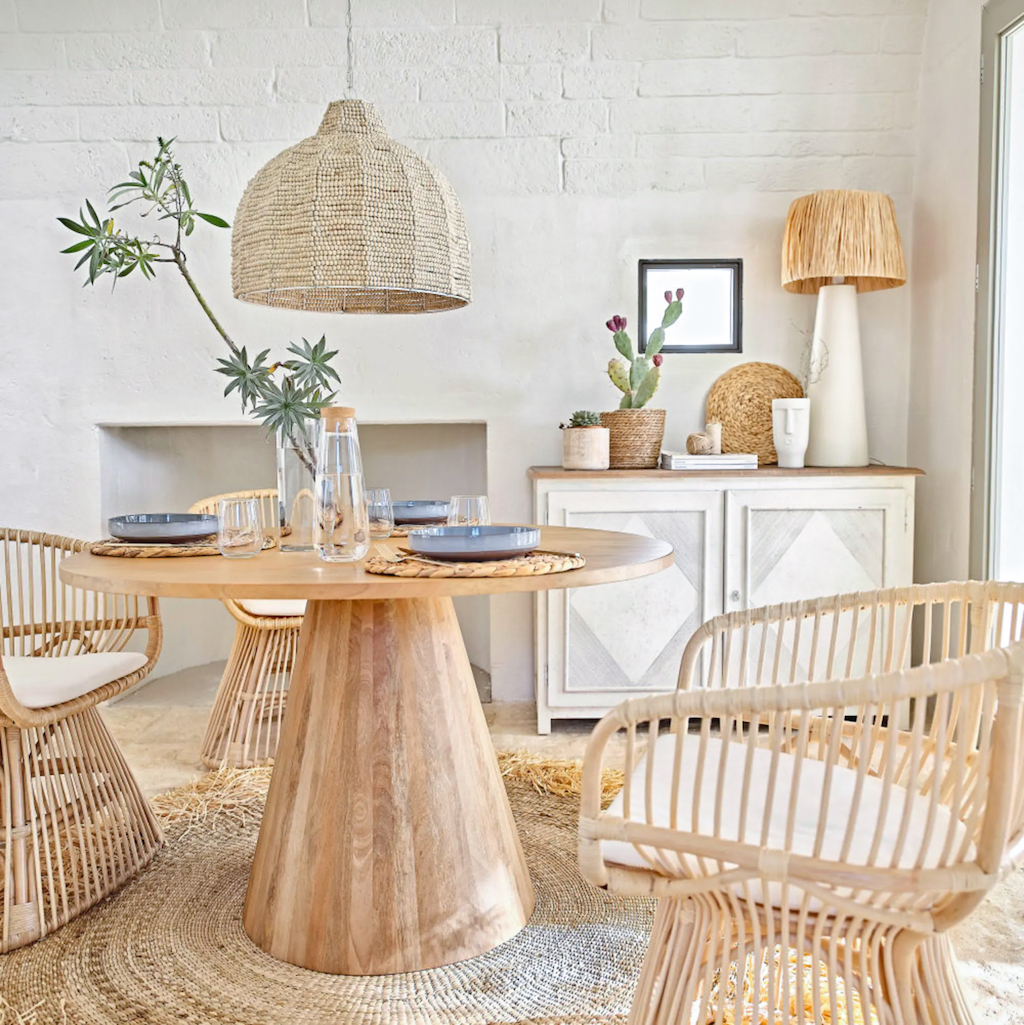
pixel 838 814
pixel 274 607
pixel 41 682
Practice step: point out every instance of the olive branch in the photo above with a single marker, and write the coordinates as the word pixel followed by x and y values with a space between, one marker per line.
pixel 282 394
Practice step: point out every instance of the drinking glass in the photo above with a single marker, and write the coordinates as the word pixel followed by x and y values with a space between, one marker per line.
pixel 381 514
pixel 239 528
pixel 468 511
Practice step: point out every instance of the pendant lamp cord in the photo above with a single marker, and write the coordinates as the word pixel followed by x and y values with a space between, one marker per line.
pixel 350 73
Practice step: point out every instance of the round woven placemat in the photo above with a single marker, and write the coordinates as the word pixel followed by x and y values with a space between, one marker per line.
pixel 741 400
pixel 127 550
pixel 169 948
pixel 402 529
pixel 535 564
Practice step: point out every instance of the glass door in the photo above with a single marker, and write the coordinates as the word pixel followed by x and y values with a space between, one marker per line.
pixel 999 437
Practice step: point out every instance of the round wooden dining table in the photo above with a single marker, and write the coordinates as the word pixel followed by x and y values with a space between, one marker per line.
pixel 387 842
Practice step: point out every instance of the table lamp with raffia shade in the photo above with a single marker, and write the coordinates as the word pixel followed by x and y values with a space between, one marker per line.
pixel 350 221
pixel 839 243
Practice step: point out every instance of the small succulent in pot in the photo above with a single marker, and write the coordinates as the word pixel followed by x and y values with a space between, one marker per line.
pixel 583 418
pixel 585 442
pixel 639 380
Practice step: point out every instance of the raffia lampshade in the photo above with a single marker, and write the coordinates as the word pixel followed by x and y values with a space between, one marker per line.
pixel 842 233
pixel 350 221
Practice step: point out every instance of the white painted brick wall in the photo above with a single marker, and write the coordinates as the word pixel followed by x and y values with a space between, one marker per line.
pixel 685 80
pixel 580 135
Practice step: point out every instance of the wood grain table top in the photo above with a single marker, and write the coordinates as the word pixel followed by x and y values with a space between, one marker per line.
pixel 611 556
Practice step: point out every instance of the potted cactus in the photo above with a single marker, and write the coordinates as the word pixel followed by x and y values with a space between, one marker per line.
pixel 584 442
pixel 636 433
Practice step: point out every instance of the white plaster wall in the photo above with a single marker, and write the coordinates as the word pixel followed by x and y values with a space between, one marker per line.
pixel 944 256
pixel 581 135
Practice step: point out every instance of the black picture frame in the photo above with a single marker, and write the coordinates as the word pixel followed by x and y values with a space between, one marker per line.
pixel 736 266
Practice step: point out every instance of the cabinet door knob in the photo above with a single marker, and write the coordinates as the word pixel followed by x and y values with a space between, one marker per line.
pixel 734 596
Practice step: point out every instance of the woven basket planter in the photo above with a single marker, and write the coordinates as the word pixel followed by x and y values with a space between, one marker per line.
pixel 634 438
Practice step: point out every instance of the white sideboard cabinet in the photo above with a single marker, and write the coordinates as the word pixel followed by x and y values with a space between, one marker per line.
pixel 741 540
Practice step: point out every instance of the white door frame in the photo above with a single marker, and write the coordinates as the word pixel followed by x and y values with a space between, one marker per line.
pixel 998 17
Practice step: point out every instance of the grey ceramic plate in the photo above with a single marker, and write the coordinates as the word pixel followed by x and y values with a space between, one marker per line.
pixel 163 528
pixel 474 544
pixel 420 512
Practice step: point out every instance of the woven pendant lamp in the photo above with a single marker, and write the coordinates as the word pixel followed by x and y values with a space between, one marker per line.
pixel 838 243
pixel 350 221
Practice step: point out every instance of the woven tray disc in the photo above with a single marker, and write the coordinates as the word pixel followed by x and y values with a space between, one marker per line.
pixel 533 565
pixel 127 550
pixel 741 401
pixel 402 529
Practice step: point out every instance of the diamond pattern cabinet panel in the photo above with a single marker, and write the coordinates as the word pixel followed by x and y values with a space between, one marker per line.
pixel 740 541
pixel 631 635
pixel 787 545
pixel 604 644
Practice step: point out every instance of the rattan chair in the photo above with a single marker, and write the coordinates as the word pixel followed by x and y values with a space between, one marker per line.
pixel 814 815
pixel 245 723
pixel 73 824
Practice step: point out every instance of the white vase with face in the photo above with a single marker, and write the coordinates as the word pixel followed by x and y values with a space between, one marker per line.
pixel 791 422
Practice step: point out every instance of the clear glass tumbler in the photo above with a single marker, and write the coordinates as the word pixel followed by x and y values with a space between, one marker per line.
pixel 468 511
pixel 380 512
pixel 239 528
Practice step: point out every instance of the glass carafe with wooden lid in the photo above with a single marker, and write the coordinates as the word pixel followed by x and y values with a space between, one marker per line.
pixel 341 531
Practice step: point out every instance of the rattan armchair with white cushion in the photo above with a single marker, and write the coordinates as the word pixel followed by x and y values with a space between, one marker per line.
pixel 813 814
pixel 245 722
pixel 73 823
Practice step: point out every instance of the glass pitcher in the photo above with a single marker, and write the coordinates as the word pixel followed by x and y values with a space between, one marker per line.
pixel 341 528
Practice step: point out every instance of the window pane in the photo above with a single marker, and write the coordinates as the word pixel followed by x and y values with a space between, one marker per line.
pixel 1009 323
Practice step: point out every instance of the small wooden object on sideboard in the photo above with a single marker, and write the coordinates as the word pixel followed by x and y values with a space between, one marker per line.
pixel 742 539
pixel 584 442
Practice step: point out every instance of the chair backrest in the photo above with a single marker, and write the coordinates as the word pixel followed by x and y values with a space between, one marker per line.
pixel 269 512
pixel 40 615
pixel 852 635
pixel 934 811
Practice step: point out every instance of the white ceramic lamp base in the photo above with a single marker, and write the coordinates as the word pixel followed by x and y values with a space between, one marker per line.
pixel 838 424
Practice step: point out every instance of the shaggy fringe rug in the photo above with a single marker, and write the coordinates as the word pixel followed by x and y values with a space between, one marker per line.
pixel 169 947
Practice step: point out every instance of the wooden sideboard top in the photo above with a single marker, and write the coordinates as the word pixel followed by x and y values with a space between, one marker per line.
pixel 874 470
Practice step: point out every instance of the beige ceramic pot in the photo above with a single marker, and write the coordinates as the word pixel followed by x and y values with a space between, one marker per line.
pixel 585 448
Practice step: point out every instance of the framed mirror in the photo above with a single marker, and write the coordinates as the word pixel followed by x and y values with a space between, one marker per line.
pixel 712 318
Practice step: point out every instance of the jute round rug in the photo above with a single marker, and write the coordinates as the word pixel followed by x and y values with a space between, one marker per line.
pixel 169 948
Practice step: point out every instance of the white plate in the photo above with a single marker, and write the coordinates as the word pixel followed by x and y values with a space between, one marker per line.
pixel 474 544
pixel 167 528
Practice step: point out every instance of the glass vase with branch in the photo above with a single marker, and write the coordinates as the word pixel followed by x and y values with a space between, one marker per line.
pixel 285 395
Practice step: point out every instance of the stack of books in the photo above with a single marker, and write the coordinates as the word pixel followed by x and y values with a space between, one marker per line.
pixel 731 461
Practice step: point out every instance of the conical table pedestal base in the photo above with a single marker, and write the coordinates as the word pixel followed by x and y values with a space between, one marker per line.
pixel 387 844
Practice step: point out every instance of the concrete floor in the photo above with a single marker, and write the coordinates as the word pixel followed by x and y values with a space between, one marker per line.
pixel 160 726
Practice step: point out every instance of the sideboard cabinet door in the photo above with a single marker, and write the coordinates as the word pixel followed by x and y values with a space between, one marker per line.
pixel 597 646
pixel 785 545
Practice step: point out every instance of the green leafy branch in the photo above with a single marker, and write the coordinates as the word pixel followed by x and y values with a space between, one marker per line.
pixel 283 401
